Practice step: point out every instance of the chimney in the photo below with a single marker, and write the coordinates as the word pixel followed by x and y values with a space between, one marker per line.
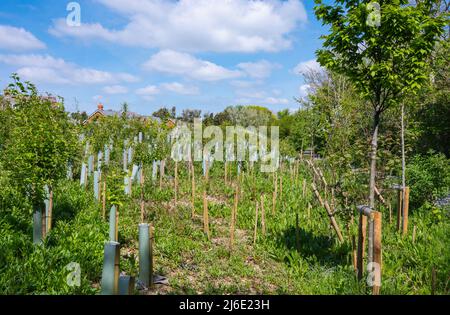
pixel 100 106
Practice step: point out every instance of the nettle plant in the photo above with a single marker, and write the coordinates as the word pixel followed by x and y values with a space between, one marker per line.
pixel 42 140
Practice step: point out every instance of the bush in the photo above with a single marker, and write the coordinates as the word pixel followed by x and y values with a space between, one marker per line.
pixel 428 177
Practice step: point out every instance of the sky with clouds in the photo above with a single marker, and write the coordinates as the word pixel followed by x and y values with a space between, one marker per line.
pixel 202 54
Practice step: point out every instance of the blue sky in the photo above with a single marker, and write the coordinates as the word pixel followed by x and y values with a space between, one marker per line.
pixel 199 54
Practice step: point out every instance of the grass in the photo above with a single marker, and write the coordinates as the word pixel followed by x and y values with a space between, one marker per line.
pixel 195 265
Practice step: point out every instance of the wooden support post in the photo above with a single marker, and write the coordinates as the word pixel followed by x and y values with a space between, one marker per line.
pixel 405 211
pixel 205 215
pixel 44 224
pixel 193 190
pixel 377 254
pixel 275 193
pixel 233 218
pixel 390 212
pixel 274 202
pixel 50 209
pixel 161 173
pixel 206 171
pixel 281 187
pixel 304 188
pixel 263 216
pixel 176 183
pixel 297 233
pixel 380 196
pixel 329 212
pixel 354 253
pixel 414 234
pixel 433 280
pixel 226 172
pixel 399 209
pixel 255 233
pixel 104 200
pixel 361 244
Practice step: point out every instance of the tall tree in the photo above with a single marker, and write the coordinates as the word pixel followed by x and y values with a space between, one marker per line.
pixel 382 48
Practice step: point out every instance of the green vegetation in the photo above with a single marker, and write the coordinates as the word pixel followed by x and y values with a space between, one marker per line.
pixel 338 121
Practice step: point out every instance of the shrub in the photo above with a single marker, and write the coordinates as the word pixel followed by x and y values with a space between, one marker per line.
pixel 428 177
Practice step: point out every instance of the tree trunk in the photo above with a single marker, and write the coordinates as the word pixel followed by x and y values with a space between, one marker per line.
pixel 373 171
pixel 402 208
pixel 403 147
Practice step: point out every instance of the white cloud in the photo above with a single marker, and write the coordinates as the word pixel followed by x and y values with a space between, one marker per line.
pixel 260 70
pixel 306 66
pixel 242 84
pixel 115 89
pixel 149 90
pixel 173 62
pixel 275 101
pixel 47 69
pixel 196 25
pixel 180 88
pixel 18 39
pixel 259 97
pixel 250 94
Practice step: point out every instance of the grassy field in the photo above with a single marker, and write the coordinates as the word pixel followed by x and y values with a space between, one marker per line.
pixel 288 259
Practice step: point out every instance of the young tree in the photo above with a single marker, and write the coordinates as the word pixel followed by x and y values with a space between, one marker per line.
pixel 382 48
pixel 41 141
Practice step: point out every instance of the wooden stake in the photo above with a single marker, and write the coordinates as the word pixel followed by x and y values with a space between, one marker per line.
pixel 390 213
pixel 379 195
pixel 304 188
pixel 297 233
pixel 193 189
pixel 377 254
pixel 161 173
pixel 275 193
pixel 354 254
pixel 414 234
pixel 309 210
pixel 117 224
pixel 207 171
pixel 176 183
pixel 405 212
pixel 361 245
pixel 399 209
pixel 104 200
pixel 329 212
pixel 226 172
pixel 44 224
pixel 263 216
pixel 205 215
pixel 433 281
pixel 274 202
pixel 256 222
pixel 233 218
pixel 281 187
pixel 50 210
